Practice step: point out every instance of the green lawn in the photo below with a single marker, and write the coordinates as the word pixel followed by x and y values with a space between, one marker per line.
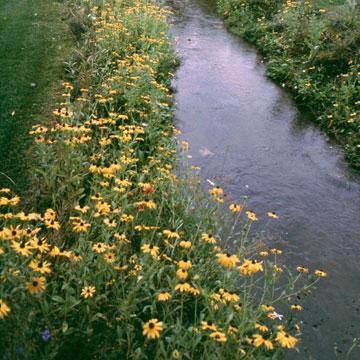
pixel 34 43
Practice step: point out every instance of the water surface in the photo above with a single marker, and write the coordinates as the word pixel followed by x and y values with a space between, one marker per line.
pixel 247 134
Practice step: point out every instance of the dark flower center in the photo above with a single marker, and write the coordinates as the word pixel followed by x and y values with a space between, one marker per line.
pixel 35 283
pixel 151 325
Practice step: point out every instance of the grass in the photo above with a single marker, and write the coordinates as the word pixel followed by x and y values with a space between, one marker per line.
pixel 311 48
pixel 34 42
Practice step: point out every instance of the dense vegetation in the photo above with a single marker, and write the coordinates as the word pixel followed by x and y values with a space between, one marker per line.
pixel 114 256
pixel 312 48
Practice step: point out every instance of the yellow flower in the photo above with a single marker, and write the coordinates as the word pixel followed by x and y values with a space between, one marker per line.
pixel 175 355
pixel 276 251
pixel 36 285
pixel 152 329
pixel 264 253
pixel 111 223
pixel 40 244
pixel 4 309
pixel 183 287
pixel 259 340
pixel 185 244
pixel 164 296
pixel 235 208
pixel 43 267
pixel 171 234
pixel 88 291
pixel 208 238
pixel 296 307
pixel 250 267
pixel 272 215
pixel 208 325
pixel 99 247
pixel 23 248
pixel 227 260
pixel 286 340
pixel 266 307
pixel 184 264
pixel 251 216
pixel 151 249
pixel 216 191
pixel 79 225
pixel 182 274
pixel 320 273
pixel 109 257
pixel 301 269
pixel 261 327
pixel 229 296
pixel 218 336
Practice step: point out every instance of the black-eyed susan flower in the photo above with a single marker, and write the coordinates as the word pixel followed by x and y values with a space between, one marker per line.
pixel 251 216
pixel 272 215
pixel 171 234
pixel 218 336
pixel 164 296
pixel 227 260
pixel 150 249
pixel 301 269
pixel 184 264
pixel 320 273
pixel 216 191
pixel 285 340
pixel 36 285
pixel 194 291
pixel 185 244
pixel 259 341
pixel 229 296
pixel 261 327
pixel 110 222
pixel 235 208
pixel 79 225
pixel 109 257
pixel 88 291
pixel 40 245
pixel 264 253
pixel 152 329
pixel 176 355
pixel 41 266
pixel 208 325
pixel 296 307
pixel 4 309
pixel 267 307
pixel 208 238
pixel 99 247
pixel 23 248
pixel 182 274
pixel 183 287
pixel 276 251
pixel 250 267
pixel 76 256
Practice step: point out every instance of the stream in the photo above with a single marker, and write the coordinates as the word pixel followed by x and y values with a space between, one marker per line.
pixel 248 136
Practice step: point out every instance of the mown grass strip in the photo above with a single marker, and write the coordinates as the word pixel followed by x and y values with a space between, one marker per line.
pixel 34 43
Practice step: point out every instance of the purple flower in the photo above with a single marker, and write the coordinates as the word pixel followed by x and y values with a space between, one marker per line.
pixel 46 335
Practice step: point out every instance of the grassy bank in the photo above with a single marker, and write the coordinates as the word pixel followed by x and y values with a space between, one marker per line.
pixel 34 42
pixel 312 48
pixel 119 258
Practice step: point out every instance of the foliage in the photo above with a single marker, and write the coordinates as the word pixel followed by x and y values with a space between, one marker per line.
pixel 312 48
pixel 120 258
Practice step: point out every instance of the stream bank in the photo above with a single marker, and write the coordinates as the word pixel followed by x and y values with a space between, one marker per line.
pixel 249 137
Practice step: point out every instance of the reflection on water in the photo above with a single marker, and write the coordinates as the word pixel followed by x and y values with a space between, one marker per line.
pixel 245 131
